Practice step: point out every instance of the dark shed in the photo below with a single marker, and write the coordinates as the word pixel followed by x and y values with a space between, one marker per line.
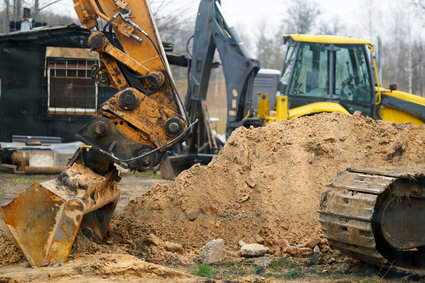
pixel 45 83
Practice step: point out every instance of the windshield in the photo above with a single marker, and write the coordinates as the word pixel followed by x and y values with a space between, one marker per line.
pixel 310 76
pixel 352 80
pixel 328 71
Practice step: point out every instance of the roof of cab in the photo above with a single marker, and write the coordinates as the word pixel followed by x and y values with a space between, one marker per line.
pixel 325 39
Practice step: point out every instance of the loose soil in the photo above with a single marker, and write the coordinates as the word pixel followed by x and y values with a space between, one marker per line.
pixel 95 268
pixel 264 187
pixel 266 183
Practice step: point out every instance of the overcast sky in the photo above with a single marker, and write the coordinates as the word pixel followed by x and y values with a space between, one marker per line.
pixel 273 11
pixel 250 12
pixel 246 15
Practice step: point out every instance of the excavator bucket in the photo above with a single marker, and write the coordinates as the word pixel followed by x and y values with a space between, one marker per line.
pixel 43 224
pixel 172 166
pixel 44 219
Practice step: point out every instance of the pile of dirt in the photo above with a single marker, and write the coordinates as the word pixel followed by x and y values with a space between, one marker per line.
pixel 266 183
pixel 10 253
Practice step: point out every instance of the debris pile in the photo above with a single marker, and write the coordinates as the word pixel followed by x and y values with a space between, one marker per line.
pixel 265 185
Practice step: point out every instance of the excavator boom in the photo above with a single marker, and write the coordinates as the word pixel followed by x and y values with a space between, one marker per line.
pixel 146 115
pixel 214 33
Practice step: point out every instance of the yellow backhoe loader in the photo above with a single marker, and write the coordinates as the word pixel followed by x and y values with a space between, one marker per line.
pixel 336 74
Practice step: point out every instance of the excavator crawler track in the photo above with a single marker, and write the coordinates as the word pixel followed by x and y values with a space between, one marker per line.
pixel 377 215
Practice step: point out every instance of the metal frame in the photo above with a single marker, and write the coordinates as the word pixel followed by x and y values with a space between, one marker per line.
pixel 66 110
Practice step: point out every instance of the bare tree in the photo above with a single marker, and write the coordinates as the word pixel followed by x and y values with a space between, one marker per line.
pixel 420 4
pixel 394 55
pixel 12 10
pixel 55 19
pixel 269 49
pixel 173 19
pixel 333 27
pixel 301 16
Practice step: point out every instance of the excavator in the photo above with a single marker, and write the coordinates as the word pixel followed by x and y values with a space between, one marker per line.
pixel 132 129
pixel 371 213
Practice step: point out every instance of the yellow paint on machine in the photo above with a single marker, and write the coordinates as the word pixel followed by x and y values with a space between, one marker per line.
pixel 314 108
pixel 394 115
pixel 326 39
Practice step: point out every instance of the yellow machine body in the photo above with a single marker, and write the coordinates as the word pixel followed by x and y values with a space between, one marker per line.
pixel 388 105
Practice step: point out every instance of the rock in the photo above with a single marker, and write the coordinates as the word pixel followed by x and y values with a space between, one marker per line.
pixel 316 249
pixel 259 239
pixel 336 253
pixel 250 182
pixel 283 244
pixel 299 251
pixel 293 251
pixel 184 260
pixel 155 240
pixel 209 210
pixel 248 250
pixel 311 244
pixel 331 260
pixel 324 248
pixel 244 198
pixel 263 262
pixel 213 251
pixel 173 247
pixel 304 252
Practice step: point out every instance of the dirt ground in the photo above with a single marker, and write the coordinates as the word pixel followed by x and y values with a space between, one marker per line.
pixel 264 187
pixel 109 263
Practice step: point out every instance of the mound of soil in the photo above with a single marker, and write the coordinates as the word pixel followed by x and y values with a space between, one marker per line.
pixel 266 183
pixel 10 253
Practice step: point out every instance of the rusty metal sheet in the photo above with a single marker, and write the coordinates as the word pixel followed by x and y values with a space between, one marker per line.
pixel 43 224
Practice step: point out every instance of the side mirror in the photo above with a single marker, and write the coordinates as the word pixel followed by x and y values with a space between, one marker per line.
pixel 393 87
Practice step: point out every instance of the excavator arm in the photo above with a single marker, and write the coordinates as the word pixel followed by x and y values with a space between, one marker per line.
pixel 146 115
pixel 214 33
pixel 132 129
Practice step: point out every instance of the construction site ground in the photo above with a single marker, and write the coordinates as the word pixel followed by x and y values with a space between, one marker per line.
pixel 264 187
pixel 123 267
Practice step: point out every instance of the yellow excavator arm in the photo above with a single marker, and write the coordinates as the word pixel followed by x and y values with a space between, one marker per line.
pixel 146 115
pixel 132 129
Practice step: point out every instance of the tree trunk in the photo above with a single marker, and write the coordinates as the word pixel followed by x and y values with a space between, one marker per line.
pixel 7 16
pixel 36 9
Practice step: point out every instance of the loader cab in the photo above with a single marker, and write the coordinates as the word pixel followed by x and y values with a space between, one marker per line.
pixel 328 69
